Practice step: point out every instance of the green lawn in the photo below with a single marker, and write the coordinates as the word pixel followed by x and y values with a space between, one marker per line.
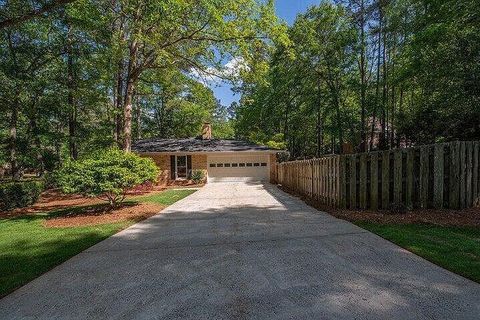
pixel 167 197
pixel 28 249
pixel 454 248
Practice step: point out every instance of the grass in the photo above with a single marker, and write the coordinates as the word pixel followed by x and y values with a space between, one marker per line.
pixel 166 197
pixel 454 248
pixel 28 249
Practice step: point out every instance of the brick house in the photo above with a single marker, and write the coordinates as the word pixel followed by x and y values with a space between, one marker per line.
pixel 220 160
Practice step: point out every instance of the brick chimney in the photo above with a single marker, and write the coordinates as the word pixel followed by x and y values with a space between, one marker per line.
pixel 206 131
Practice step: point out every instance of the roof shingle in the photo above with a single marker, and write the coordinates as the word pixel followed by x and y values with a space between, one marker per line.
pixel 195 145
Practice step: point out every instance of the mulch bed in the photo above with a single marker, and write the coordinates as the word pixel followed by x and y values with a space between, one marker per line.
pixel 101 214
pixel 95 211
pixel 444 217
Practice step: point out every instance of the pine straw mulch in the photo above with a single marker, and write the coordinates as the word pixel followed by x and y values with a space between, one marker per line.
pixel 75 210
pixel 443 217
pixel 101 214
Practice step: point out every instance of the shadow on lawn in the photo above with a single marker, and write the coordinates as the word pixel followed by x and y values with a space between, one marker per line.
pixel 88 210
pixel 28 257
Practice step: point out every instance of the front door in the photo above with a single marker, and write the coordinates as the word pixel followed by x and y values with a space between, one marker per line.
pixel 181 164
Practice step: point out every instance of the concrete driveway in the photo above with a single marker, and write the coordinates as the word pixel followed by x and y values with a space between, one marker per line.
pixel 244 251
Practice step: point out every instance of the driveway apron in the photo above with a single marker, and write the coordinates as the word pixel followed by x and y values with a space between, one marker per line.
pixel 244 250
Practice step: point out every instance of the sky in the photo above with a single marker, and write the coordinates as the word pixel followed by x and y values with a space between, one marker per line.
pixel 287 10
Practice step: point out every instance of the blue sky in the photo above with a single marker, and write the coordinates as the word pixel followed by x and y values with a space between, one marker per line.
pixel 286 10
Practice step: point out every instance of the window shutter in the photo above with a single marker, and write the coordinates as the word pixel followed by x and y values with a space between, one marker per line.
pixel 189 167
pixel 172 167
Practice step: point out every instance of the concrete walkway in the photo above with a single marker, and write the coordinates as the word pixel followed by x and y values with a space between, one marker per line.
pixel 244 251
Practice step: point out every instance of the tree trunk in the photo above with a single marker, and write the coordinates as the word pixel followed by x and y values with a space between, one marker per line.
pixel 319 121
pixel 362 77
pixel 377 89
pixel 139 120
pixel 72 116
pixel 13 140
pixel 119 103
pixel 130 90
pixel 13 116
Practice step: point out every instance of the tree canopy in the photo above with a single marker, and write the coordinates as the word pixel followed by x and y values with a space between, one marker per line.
pixel 350 75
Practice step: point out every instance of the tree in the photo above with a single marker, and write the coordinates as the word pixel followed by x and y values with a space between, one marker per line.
pixel 187 35
pixel 106 175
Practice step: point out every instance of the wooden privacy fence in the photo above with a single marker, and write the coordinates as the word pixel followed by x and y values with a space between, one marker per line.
pixel 444 175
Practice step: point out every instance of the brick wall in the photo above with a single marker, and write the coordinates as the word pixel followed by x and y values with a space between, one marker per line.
pixel 199 162
pixel 163 163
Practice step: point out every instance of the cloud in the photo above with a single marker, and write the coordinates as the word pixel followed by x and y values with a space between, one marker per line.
pixel 214 76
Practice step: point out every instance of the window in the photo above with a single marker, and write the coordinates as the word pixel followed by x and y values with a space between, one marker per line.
pixel 181 164
pixel 212 165
pixel 234 165
pixel 249 164
pixel 219 165
pixel 256 164
pixel 263 164
pixel 241 164
pixel 227 165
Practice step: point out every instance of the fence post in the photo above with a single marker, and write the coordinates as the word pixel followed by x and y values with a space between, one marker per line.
pixel 409 181
pixel 438 176
pixel 397 176
pixel 363 181
pixel 385 179
pixel 374 181
pixel 424 176
pixel 342 182
pixel 353 182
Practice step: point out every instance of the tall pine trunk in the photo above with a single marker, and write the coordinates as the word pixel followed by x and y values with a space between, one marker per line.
pixel 132 79
pixel 14 108
pixel 363 77
pixel 72 115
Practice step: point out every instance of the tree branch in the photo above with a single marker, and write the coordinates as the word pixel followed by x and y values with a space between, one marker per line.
pixel 54 4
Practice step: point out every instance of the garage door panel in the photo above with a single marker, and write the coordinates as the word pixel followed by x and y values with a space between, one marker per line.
pixel 238 168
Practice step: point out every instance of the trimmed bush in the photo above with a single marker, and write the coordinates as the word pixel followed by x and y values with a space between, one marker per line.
pixel 107 175
pixel 198 176
pixel 19 194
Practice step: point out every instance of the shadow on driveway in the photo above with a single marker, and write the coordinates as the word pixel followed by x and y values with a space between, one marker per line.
pixel 245 251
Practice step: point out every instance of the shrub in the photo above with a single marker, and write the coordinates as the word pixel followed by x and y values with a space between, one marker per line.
pixel 108 175
pixel 198 176
pixel 19 194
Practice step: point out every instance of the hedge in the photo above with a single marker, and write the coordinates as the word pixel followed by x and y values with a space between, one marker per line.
pixel 19 194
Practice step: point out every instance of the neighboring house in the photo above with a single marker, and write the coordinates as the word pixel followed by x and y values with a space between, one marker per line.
pixel 220 160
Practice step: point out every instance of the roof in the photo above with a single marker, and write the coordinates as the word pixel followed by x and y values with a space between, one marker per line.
pixel 195 145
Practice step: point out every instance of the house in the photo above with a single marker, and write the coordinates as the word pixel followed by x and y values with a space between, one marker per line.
pixel 220 160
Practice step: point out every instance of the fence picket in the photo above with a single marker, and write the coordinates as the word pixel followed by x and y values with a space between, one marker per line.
pixel 374 181
pixel 397 176
pixel 362 187
pixel 353 182
pixel 409 180
pixel 385 179
pixel 343 182
pixel 438 176
pixel 475 173
pixel 463 175
pixel 469 174
pixel 415 177
pixel 424 164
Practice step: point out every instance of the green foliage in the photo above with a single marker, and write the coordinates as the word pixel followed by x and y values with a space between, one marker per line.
pixel 418 82
pixel 198 176
pixel 108 175
pixel 19 194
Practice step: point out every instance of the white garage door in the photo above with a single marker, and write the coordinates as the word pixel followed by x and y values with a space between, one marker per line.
pixel 238 168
